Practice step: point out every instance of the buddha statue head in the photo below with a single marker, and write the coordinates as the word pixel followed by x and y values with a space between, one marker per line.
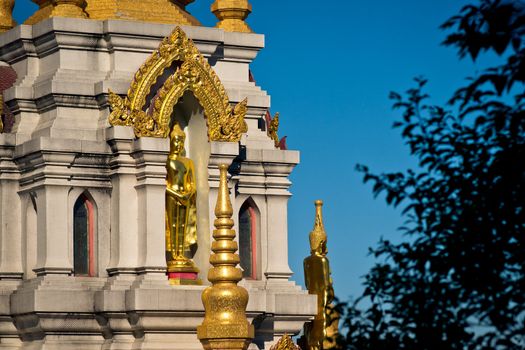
pixel 177 138
pixel 318 235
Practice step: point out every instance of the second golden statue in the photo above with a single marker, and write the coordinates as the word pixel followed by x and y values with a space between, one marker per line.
pixel 181 212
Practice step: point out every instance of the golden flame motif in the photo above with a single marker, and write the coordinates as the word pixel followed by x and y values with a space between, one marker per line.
pixel 225 325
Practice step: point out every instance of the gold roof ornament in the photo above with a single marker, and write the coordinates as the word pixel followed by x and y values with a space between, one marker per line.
pixel 273 129
pixel 152 118
pixel 225 325
pixel 6 15
pixel 232 15
pixel 160 11
pixel 57 8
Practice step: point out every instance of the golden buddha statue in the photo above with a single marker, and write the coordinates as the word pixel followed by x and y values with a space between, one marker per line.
pixel 181 212
pixel 318 281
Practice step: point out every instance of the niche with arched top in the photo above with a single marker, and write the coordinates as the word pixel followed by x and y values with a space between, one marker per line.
pixel 248 232
pixel 84 237
pixel 29 237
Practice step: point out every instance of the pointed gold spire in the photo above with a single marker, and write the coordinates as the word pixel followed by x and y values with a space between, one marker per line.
pixel 57 8
pixel 232 15
pixel 225 325
pixel 6 15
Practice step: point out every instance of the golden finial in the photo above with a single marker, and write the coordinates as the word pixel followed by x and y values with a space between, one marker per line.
pixel 318 235
pixel 6 15
pixel 225 325
pixel 232 15
pixel 57 8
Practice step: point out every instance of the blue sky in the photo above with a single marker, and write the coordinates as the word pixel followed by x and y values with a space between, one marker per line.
pixel 329 67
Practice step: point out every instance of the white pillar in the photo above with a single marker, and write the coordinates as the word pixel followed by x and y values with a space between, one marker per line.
pixel 53 241
pixel 150 155
pixel 277 223
pixel 10 213
pixel 124 208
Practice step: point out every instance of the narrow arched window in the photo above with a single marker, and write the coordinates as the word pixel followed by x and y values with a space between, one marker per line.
pixel 248 240
pixel 83 237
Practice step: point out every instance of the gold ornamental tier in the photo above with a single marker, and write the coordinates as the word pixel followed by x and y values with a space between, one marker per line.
pixel 160 11
pixel 225 325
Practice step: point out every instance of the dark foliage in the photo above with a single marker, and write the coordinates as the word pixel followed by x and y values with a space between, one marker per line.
pixel 458 281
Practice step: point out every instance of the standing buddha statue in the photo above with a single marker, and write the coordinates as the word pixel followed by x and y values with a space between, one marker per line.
pixel 319 332
pixel 181 212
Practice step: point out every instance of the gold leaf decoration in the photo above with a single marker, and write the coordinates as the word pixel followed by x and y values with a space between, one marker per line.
pixel 273 128
pixel 194 74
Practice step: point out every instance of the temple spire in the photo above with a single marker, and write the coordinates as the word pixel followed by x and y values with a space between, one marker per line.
pixel 225 325
pixel 6 15
pixel 232 15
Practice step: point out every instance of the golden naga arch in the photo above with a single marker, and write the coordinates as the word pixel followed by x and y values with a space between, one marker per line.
pixel 195 74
